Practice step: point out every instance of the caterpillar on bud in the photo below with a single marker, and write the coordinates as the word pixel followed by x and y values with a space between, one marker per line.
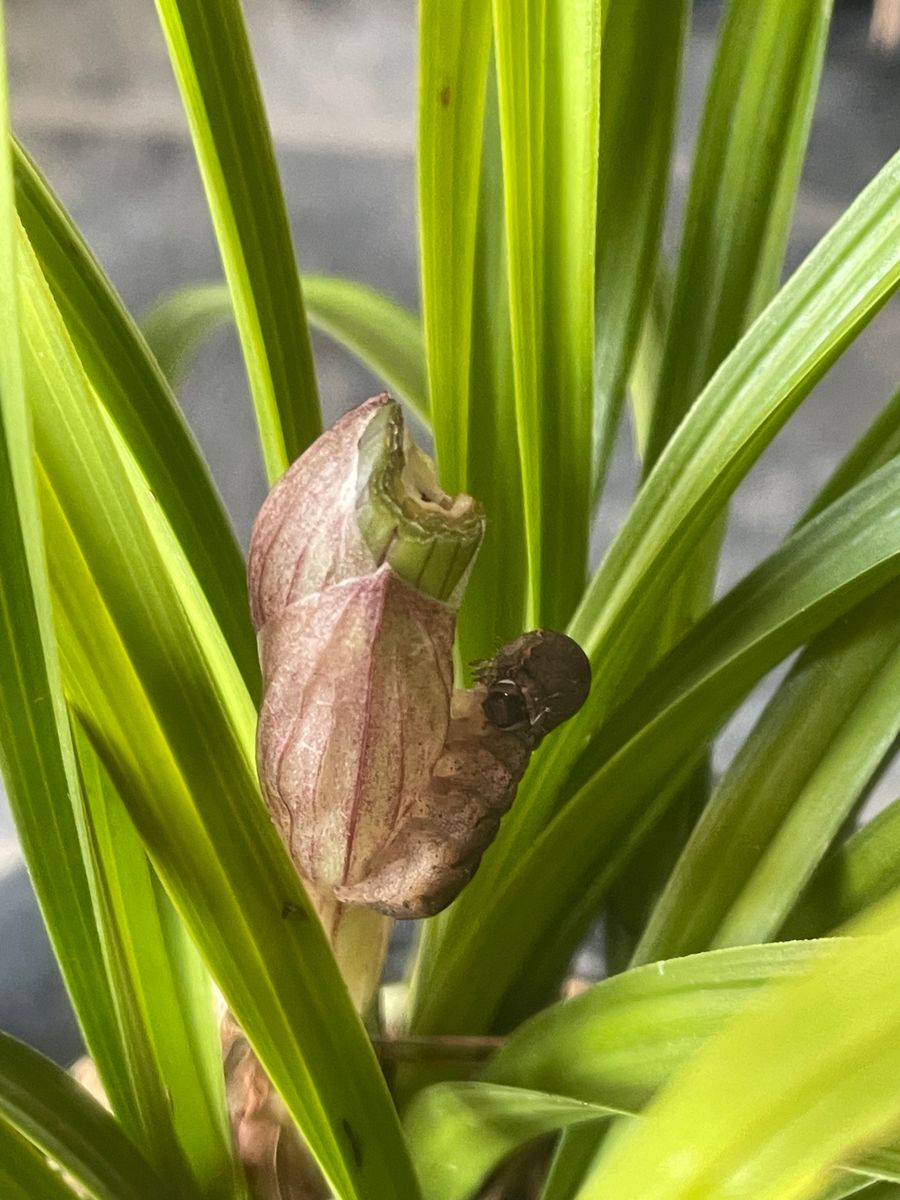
pixel 534 684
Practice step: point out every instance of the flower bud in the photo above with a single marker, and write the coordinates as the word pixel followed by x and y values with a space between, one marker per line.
pixel 357 558
pixel 385 785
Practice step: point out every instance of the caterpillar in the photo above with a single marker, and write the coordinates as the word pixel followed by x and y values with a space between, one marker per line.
pixel 532 685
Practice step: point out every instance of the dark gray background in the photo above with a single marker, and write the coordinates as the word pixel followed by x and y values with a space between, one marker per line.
pixel 94 101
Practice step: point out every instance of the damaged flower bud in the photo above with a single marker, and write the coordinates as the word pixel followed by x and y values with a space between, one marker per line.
pixel 386 785
pixel 356 559
pixel 533 684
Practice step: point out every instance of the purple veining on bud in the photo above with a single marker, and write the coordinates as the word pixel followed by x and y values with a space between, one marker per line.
pixel 357 699
pixel 356 654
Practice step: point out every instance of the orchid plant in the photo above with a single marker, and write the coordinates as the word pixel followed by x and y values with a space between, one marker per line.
pixel 226 793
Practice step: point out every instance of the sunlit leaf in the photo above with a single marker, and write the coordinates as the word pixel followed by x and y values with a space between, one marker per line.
pixel 158 691
pixel 808 1076
pixel 461 1131
pixel 454 44
pixel 211 58
pixel 163 999
pixel 58 1116
pixel 36 754
pixel 384 336
pixel 131 389
pixel 835 292
pixel 548 68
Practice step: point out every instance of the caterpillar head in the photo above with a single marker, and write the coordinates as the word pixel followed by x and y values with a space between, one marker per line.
pixel 534 683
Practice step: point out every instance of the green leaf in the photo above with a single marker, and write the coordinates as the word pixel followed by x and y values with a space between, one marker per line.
pixel 25 1174
pixel 789 790
pixel 454 45
pixel 746 170
pixel 211 58
pixel 36 755
pixel 854 876
pixel 863 1188
pixel 640 73
pixel 845 1184
pixel 461 1131
pixel 384 336
pixel 798 774
pixel 152 679
pixel 808 1076
pixel 619 1041
pixel 548 73
pixel 647 748
pixel 163 998
pixel 575 1151
pixel 612 1048
pixel 130 387
pixel 493 609
pixel 175 326
pixel 644 379
pixel 58 1116
pixel 843 283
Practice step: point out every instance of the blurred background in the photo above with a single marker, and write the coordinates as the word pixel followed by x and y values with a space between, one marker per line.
pixel 94 101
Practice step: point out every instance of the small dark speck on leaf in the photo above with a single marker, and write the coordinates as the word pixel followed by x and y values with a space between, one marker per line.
pixel 294 912
pixel 444 95
pixel 353 1139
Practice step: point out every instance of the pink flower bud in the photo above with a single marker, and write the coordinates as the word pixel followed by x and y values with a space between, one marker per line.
pixel 385 785
pixel 355 560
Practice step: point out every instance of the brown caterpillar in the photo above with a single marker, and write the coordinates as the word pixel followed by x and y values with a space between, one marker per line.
pixel 534 684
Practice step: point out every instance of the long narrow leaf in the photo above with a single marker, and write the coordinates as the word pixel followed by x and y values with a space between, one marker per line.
pixel 211 58
pixel 152 679
pixel 163 997
pixel 639 76
pixel 130 387
pixel 806 1078
pixel 36 754
pixel 747 167
pixel 493 611
pixel 57 1115
pixel 838 289
pixel 652 741
pixel 384 336
pixel 454 45
pixel 548 63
